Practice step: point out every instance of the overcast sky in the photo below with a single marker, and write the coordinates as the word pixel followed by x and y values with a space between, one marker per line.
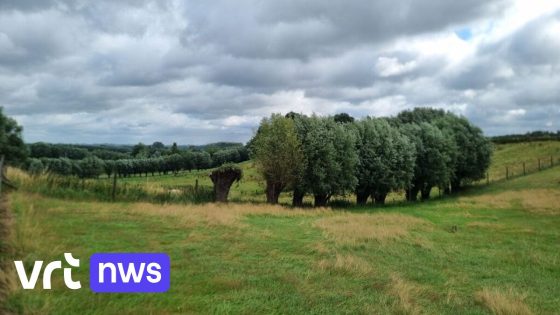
pixel 201 71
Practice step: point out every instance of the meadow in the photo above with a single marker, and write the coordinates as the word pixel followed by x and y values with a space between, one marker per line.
pixel 491 249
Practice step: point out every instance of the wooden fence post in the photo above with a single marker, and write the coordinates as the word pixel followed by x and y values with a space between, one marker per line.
pixel 539 163
pixel 507 173
pixel 114 190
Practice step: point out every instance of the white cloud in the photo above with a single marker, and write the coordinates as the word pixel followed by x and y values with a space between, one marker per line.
pixel 390 66
pixel 194 72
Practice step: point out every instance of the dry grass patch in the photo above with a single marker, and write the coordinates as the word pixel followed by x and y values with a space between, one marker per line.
pixel 211 214
pixel 485 225
pixel 503 303
pixel 346 264
pixel 320 248
pixel 8 278
pixel 469 215
pixel 356 228
pixel 542 201
pixel 406 293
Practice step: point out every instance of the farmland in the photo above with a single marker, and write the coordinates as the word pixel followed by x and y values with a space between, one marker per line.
pixel 491 249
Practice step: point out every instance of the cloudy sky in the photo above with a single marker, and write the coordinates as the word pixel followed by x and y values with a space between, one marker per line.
pixel 201 71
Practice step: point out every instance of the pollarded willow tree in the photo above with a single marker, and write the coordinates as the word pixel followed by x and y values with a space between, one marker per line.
pixel 91 167
pixel 474 151
pixel 386 160
pixel 222 178
pixel 472 154
pixel 434 164
pixel 330 159
pixel 278 155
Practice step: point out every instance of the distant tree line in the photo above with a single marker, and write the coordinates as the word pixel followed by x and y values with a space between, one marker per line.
pixel 73 160
pixel 75 152
pixel 326 156
pixel 529 136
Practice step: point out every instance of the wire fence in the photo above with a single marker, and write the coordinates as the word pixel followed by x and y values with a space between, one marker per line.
pixel 520 168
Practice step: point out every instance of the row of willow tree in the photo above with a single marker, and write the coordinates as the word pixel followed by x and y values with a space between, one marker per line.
pixel 326 156
pixel 92 166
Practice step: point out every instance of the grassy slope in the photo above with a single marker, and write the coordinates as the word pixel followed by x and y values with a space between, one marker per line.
pixel 514 154
pixel 262 259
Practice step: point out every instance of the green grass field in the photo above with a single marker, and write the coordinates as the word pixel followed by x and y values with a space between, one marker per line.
pixel 492 249
pixel 514 154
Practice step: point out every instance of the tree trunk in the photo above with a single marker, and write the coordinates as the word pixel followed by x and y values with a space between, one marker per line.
pixel 222 184
pixel 273 191
pixel 425 193
pixel 297 199
pixel 455 186
pixel 320 200
pixel 361 197
pixel 114 188
pixel 380 198
pixel 411 194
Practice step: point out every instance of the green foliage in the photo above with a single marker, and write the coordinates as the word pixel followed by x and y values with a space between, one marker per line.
pixel 386 160
pixel 174 162
pixel 76 152
pixel 278 155
pixel 174 148
pixel 434 164
pixel 471 150
pixel 201 160
pixel 421 114
pixel 223 156
pixel 91 167
pixel 343 118
pixel 330 158
pixel 158 146
pixel 36 167
pixel 229 168
pixel 12 146
pixel 61 166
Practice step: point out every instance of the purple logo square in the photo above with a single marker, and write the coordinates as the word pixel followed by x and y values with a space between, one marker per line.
pixel 129 272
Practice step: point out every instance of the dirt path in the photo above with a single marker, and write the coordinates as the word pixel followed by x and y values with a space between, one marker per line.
pixel 6 268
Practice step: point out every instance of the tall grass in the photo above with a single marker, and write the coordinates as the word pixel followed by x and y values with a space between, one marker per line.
pixel 69 187
pixel 7 274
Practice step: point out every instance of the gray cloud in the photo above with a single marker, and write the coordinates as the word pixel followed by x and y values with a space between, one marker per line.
pixel 199 71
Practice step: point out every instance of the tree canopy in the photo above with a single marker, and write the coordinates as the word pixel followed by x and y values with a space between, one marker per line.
pixel 330 157
pixel 386 160
pixel 472 151
pixel 12 146
pixel 278 155
pixel 433 165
